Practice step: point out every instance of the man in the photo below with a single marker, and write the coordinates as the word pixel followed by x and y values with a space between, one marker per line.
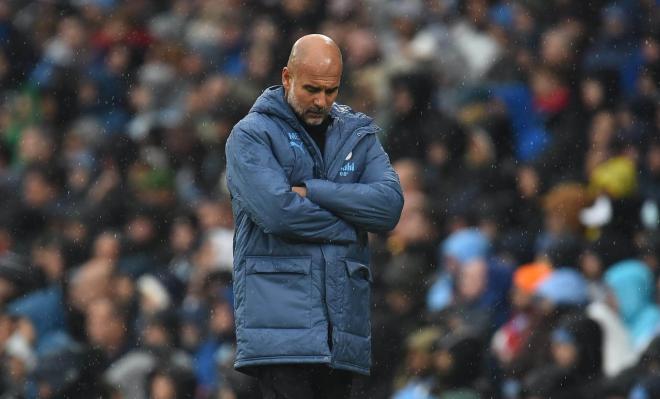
pixel 308 179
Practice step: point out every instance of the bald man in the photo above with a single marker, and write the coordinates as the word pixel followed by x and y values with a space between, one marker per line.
pixel 308 179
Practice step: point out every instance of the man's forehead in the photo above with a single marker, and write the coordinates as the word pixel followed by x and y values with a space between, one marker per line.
pixel 322 62
pixel 317 72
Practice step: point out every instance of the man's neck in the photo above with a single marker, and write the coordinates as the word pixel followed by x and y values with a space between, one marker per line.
pixel 317 132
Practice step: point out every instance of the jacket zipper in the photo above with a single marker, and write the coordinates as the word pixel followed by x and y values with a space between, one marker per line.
pixel 314 151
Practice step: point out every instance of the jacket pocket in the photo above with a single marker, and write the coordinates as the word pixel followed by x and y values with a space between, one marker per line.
pixel 357 297
pixel 278 292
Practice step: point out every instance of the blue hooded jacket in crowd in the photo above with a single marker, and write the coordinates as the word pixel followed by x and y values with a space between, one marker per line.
pixel 301 264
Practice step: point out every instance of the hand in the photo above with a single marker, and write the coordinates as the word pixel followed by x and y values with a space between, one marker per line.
pixel 302 191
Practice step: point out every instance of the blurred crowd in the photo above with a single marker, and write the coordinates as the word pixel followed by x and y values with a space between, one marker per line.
pixel 526 134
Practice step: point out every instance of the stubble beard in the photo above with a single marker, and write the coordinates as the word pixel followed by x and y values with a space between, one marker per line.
pixel 298 109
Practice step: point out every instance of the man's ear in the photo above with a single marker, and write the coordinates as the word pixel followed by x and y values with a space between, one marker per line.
pixel 286 78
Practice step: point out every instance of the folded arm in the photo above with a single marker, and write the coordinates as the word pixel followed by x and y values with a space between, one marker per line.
pixel 374 203
pixel 258 182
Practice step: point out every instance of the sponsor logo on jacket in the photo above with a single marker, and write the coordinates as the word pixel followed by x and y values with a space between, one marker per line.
pixel 347 169
pixel 295 141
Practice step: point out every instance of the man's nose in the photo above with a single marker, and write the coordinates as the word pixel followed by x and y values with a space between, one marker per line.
pixel 320 101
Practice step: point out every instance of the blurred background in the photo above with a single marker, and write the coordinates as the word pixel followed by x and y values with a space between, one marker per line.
pixel 526 134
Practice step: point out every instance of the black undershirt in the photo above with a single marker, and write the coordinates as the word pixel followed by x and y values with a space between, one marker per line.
pixel 317 132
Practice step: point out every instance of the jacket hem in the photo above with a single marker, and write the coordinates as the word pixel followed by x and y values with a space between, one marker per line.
pixel 258 361
pixel 350 367
pixel 247 365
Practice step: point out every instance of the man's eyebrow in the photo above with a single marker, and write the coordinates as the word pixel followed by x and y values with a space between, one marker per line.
pixel 317 88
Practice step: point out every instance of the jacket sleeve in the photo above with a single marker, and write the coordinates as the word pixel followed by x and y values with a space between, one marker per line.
pixel 374 203
pixel 258 182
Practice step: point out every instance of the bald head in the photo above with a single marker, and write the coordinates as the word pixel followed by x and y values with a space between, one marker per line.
pixel 316 51
pixel 311 77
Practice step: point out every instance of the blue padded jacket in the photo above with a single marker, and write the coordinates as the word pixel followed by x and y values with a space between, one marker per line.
pixel 301 264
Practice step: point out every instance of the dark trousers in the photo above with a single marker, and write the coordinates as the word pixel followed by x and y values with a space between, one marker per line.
pixel 303 381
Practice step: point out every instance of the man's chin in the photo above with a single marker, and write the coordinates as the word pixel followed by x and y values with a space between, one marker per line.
pixel 314 120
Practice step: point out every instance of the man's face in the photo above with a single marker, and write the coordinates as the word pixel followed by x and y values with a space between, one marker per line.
pixel 311 90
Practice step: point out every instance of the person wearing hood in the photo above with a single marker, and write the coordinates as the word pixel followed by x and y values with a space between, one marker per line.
pixel 308 179
pixel 482 288
pixel 473 283
pixel 632 285
pixel 576 361
pixel 456 250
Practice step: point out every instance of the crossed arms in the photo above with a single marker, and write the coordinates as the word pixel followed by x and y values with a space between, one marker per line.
pixel 328 212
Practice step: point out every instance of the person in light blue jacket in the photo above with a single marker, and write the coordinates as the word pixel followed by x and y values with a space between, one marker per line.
pixel 308 180
pixel 632 285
